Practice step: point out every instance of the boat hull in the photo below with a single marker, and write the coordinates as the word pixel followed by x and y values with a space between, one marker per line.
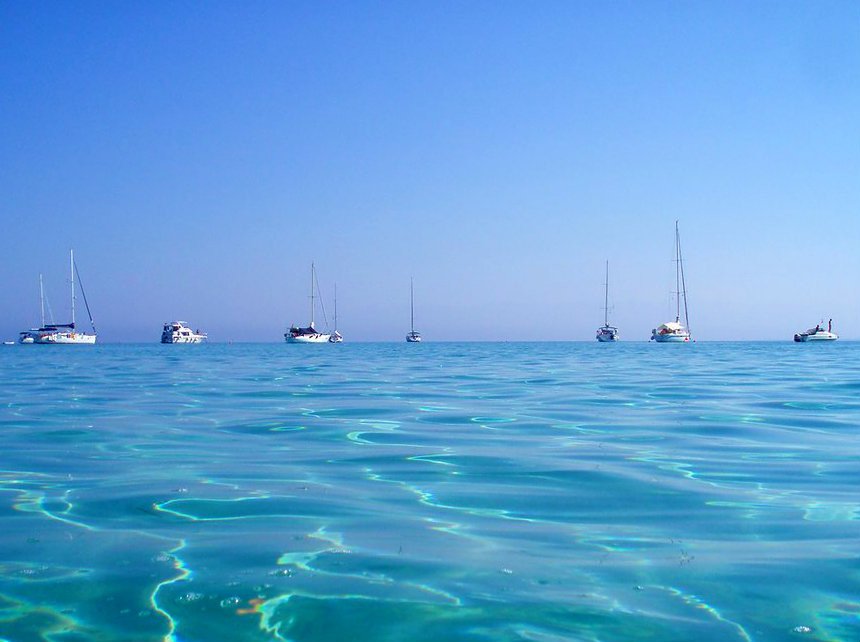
pixel 671 338
pixel 309 338
pixel 66 338
pixel 818 336
pixel 191 339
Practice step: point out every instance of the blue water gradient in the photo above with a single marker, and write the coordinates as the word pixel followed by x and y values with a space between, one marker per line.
pixel 388 492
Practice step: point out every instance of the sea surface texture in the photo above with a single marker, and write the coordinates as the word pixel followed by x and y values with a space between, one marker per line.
pixel 430 492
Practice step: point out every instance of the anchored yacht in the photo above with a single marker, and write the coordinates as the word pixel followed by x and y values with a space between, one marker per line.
pixel 606 333
pixel 66 333
pixel 179 332
pixel 674 331
pixel 818 333
pixel 413 336
pixel 336 337
pixel 309 334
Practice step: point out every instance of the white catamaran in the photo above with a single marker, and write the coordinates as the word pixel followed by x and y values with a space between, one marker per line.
pixel 606 333
pixel 414 336
pixel 674 331
pixel 309 334
pixel 67 333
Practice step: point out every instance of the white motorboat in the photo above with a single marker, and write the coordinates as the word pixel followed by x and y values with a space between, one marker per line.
pixel 413 336
pixel 674 331
pixel 309 334
pixel 67 333
pixel 818 333
pixel 179 332
pixel 607 333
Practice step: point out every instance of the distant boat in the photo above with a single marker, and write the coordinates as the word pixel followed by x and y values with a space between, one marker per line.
pixel 818 333
pixel 336 337
pixel 179 332
pixel 29 336
pixel 414 336
pixel 674 331
pixel 309 334
pixel 67 333
pixel 606 333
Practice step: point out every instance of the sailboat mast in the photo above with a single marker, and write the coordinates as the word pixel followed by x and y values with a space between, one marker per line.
pixel 312 294
pixel 683 283
pixel 411 304
pixel 42 301
pixel 335 307
pixel 677 275
pixel 606 297
pixel 72 270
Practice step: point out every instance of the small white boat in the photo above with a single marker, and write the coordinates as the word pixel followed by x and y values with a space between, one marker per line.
pixel 607 333
pixel 179 332
pixel 336 337
pixel 67 333
pixel 674 331
pixel 309 334
pixel 818 333
pixel 413 336
pixel 8 343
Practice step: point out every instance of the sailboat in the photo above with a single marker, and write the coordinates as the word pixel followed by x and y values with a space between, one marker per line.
pixel 674 331
pixel 66 333
pixel 336 337
pixel 310 333
pixel 414 336
pixel 606 333
pixel 29 336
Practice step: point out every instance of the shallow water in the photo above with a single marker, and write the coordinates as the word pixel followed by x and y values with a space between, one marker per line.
pixel 392 492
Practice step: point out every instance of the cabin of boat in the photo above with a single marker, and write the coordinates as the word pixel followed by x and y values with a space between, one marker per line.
pixel 818 333
pixel 179 332
pixel 413 337
pixel 336 337
pixel 671 332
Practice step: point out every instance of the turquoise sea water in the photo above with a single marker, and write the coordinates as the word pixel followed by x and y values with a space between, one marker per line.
pixel 396 492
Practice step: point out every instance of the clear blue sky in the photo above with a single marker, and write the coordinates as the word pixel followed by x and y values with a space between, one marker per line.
pixel 198 156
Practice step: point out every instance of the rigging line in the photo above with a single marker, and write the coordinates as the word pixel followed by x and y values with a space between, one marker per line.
pixel 322 303
pixel 50 311
pixel 86 303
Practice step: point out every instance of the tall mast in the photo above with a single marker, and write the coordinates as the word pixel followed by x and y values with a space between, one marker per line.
pixel 677 275
pixel 606 297
pixel 312 294
pixel 335 307
pixel 411 304
pixel 72 270
pixel 42 301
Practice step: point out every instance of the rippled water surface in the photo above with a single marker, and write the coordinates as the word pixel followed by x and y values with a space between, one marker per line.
pixel 400 492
